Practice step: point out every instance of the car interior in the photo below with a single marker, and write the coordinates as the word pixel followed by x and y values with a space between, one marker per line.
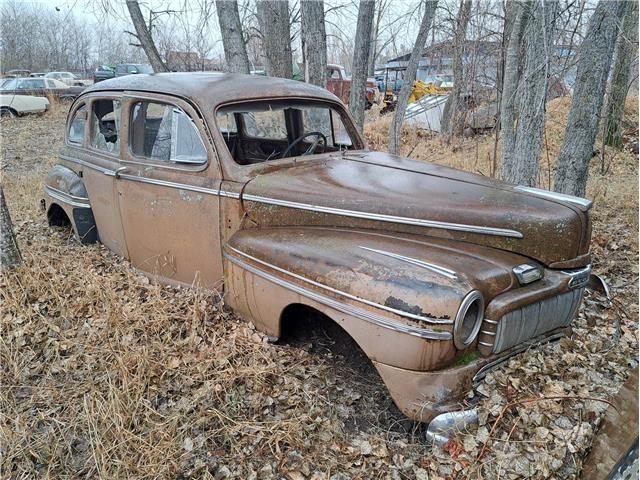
pixel 164 132
pixel 106 124
pixel 262 131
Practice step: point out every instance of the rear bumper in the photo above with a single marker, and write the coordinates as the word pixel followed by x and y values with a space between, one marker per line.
pixel 422 396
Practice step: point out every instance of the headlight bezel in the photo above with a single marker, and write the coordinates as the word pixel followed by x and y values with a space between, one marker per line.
pixel 473 298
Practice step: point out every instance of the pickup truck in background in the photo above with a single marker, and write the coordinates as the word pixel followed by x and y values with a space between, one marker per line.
pixel 339 83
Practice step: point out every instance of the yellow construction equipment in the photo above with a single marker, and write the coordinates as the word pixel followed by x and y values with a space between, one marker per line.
pixel 420 89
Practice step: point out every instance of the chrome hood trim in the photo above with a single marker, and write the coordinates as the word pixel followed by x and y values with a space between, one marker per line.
pixel 585 203
pixel 414 261
pixel 460 227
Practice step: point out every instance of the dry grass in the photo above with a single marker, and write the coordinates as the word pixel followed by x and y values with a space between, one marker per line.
pixel 105 375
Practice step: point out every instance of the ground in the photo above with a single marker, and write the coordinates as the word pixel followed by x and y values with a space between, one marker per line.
pixel 105 374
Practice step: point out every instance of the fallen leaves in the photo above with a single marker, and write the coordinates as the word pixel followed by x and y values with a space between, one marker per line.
pixel 106 374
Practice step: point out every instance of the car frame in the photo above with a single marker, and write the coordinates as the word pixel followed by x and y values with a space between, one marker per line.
pixel 438 275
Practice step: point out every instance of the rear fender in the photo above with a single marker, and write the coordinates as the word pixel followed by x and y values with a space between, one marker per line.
pixel 64 188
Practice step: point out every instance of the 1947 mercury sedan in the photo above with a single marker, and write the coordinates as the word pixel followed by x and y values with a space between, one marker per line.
pixel 263 186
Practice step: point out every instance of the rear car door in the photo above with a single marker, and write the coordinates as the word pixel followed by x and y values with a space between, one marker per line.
pixel 99 161
pixel 168 191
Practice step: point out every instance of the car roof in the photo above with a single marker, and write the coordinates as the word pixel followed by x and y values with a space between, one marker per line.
pixel 210 89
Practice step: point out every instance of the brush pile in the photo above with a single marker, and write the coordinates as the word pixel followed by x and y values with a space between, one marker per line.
pixel 106 375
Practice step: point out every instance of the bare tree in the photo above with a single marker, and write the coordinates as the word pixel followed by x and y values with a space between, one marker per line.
pixel 273 18
pixel 314 42
pixel 357 99
pixel 520 166
pixel 381 6
pixel 510 85
pixel 235 50
pixel 594 63
pixel 9 253
pixel 452 116
pixel 144 37
pixel 410 76
pixel 623 59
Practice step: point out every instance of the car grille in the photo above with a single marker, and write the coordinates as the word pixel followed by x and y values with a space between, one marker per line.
pixel 530 321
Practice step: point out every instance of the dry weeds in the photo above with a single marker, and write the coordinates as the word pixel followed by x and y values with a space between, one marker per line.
pixel 106 375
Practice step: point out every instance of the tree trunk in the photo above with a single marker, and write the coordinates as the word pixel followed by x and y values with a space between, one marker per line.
pixel 410 76
pixel 273 17
pixel 9 253
pixel 145 38
pixel 453 115
pixel 357 98
pixel 623 58
pixel 594 63
pixel 235 50
pixel 314 42
pixel 373 49
pixel 510 88
pixel 532 93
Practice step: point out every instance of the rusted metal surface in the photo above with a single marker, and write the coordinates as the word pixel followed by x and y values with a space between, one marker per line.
pixel 617 434
pixel 385 246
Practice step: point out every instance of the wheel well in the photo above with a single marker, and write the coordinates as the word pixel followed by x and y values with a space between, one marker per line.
pixel 301 325
pixel 9 109
pixel 305 327
pixel 57 217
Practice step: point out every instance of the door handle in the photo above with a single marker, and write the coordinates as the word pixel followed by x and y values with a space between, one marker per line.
pixel 119 171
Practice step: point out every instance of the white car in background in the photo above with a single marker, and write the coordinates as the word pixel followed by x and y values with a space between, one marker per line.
pixel 18 105
pixel 69 78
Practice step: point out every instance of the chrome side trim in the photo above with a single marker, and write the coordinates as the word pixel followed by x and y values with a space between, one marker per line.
pixel 492 322
pixel 460 227
pixel 414 261
pixel 583 202
pixel 106 171
pixel 154 181
pixel 340 292
pixel 486 344
pixel 491 334
pixel 66 198
pixel 501 232
pixel 343 307
pixel 165 183
pixel 73 197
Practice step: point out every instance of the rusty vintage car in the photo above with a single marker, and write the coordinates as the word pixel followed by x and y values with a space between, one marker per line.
pixel 263 187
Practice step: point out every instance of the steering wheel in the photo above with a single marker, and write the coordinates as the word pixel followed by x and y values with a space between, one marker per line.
pixel 320 137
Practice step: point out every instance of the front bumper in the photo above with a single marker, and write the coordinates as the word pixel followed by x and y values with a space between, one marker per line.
pixel 422 396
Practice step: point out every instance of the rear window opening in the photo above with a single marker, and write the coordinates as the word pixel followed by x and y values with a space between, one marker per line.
pixel 264 131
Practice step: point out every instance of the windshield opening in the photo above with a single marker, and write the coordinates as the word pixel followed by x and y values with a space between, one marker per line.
pixel 262 131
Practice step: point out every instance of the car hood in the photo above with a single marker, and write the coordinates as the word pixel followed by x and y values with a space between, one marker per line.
pixel 378 191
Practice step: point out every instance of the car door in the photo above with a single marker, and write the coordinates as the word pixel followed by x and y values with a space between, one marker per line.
pixel 97 156
pixel 168 192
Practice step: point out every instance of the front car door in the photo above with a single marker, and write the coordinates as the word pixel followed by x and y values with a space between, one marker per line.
pixel 168 191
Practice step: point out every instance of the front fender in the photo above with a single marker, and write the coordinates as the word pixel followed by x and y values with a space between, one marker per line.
pixel 397 295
